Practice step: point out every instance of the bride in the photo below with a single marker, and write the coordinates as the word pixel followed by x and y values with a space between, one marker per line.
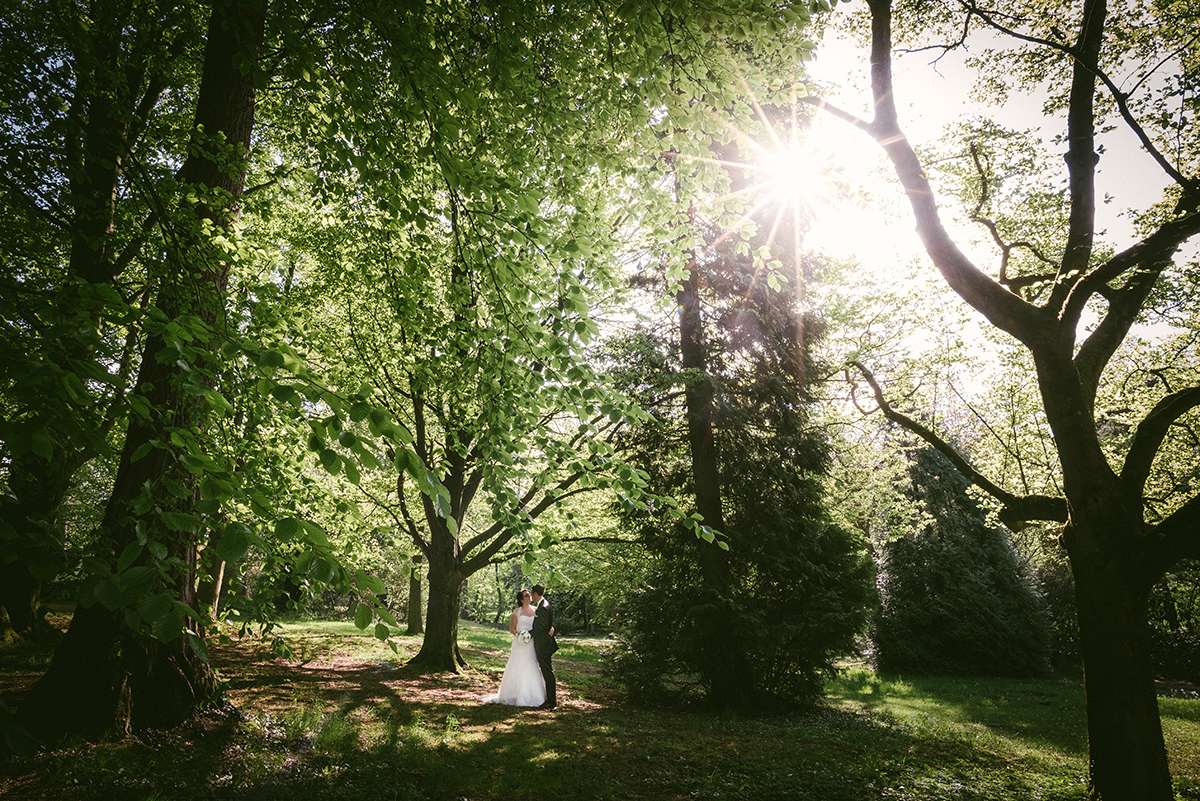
pixel 522 684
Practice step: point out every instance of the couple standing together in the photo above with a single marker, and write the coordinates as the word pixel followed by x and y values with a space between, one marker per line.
pixel 529 676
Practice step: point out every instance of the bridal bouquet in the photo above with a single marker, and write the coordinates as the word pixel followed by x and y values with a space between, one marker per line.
pixel 524 636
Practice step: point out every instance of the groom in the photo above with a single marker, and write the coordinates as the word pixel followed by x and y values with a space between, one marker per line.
pixel 544 644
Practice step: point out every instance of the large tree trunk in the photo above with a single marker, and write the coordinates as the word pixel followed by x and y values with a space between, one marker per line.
pixel 105 120
pixel 439 649
pixel 105 675
pixel 1127 754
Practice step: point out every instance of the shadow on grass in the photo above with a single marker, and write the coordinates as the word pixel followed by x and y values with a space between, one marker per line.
pixel 1035 715
pixel 357 724
pixel 389 741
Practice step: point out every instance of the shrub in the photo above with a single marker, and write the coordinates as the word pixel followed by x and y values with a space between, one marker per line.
pixel 955 598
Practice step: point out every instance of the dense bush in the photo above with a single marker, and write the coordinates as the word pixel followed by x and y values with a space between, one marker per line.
pixel 955 597
pixel 798 603
pixel 1056 588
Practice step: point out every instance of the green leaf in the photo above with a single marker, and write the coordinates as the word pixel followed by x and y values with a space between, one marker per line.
pixel 108 592
pixel 322 570
pixel 44 566
pixel 207 506
pixel 367 581
pixel 196 643
pixel 129 556
pixel 362 616
pixel 285 393
pixel 153 607
pixel 233 545
pixel 96 566
pixel 381 632
pixel 137 582
pixel 287 528
pixel 180 521
pixel 216 488
pixel 315 534
pixel 331 461
pixel 159 611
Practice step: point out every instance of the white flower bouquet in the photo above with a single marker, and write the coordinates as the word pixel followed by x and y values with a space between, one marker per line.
pixel 524 636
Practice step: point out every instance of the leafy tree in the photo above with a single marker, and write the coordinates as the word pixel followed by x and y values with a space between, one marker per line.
pixel 795 588
pixel 954 597
pixel 463 262
pixel 113 670
pixel 1120 540
pixel 77 122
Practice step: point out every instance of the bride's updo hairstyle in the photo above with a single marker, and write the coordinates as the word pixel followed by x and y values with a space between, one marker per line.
pixel 520 597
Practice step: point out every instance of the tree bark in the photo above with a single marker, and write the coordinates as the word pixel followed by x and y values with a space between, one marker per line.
pixel 106 675
pixel 1126 751
pixel 439 649
pixel 415 617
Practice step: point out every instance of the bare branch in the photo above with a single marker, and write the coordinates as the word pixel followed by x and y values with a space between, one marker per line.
pixel 1179 535
pixel 1150 434
pixel 1006 311
pixel 1006 248
pixel 1017 509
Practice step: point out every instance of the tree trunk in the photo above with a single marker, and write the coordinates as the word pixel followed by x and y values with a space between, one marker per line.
pixel 439 649
pixel 699 396
pixel 208 593
pixel 105 120
pixel 105 675
pixel 1127 755
pixel 415 617
pixel 726 672
pixel 37 488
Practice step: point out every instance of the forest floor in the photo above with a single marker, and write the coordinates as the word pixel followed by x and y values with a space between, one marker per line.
pixel 343 718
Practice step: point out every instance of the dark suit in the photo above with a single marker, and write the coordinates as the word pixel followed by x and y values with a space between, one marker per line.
pixel 544 645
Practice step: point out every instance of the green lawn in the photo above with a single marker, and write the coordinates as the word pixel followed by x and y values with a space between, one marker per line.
pixel 345 719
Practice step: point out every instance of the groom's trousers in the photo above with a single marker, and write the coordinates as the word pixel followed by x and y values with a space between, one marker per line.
pixel 543 658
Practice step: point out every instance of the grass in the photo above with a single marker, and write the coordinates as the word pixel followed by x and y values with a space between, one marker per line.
pixel 345 719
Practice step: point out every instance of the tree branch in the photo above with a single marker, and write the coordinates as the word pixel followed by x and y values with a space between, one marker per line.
pixel 1002 308
pixel 1006 248
pixel 1179 536
pixel 1017 508
pixel 1118 96
pixel 1152 255
pixel 1150 434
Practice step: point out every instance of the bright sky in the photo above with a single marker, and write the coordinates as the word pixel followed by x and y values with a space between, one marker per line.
pixel 929 97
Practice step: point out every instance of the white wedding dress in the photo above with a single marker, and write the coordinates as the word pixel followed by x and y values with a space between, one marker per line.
pixel 522 684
